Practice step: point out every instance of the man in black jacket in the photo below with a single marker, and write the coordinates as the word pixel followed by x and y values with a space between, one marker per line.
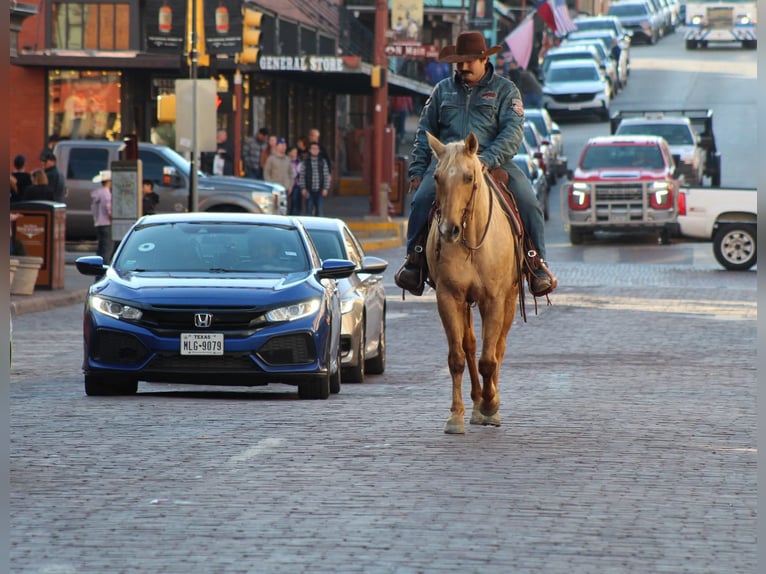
pixel 55 179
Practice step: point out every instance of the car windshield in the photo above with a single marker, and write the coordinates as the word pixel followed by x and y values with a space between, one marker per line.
pixel 329 243
pixel 624 9
pixel 674 134
pixel 567 74
pixel 597 44
pixel 621 156
pixel 588 24
pixel 539 122
pixel 212 247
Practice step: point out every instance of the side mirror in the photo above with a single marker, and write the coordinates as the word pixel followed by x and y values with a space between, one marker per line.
pixel 336 269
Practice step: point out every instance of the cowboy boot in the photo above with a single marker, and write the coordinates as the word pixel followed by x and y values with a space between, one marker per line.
pixel 542 281
pixel 410 275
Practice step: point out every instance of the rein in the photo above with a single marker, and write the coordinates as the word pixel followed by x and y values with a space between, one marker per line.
pixel 468 212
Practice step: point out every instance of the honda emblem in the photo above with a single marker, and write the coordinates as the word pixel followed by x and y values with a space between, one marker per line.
pixel 203 320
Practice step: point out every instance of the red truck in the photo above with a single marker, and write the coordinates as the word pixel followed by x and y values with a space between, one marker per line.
pixel 623 183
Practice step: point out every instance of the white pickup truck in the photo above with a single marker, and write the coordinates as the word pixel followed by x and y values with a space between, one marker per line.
pixel 725 216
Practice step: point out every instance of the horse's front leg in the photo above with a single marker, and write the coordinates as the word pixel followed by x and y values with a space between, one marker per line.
pixel 452 317
pixel 494 330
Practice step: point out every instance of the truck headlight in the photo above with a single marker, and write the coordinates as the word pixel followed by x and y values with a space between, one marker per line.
pixel 263 200
pixel 697 20
pixel 579 196
pixel 661 195
pixel 742 20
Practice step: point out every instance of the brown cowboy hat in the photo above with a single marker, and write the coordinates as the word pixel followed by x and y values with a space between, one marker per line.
pixel 469 46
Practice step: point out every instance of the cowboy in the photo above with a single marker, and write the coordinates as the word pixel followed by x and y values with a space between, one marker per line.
pixel 477 100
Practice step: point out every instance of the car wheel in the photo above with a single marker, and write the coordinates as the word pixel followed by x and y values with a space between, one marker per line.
pixel 576 236
pixel 105 385
pixel 355 373
pixel 335 379
pixel 377 364
pixel 734 246
pixel 315 388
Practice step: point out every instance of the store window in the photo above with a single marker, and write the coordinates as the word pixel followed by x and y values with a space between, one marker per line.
pixel 84 104
pixel 90 26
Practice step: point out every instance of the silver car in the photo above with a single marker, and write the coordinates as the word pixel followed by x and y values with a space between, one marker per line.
pixel 577 87
pixel 363 298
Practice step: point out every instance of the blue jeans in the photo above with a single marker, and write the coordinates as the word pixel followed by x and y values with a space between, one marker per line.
pixel 314 203
pixel 529 208
pixel 296 201
pixel 105 243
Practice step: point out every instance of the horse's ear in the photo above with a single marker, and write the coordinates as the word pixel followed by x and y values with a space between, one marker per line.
pixel 471 144
pixel 437 146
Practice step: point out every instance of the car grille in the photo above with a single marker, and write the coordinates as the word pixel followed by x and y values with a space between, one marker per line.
pixel 573 98
pixel 229 363
pixel 117 348
pixel 297 349
pixel 167 321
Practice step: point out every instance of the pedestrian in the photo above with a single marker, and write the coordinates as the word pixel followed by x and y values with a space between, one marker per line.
pixel 251 153
pixel 23 179
pixel 314 180
pixel 401 107
pixel 314 136
pixel 40 188
pixel 303 148
pixel 616 52
pixel 150 198
pixel 295 199
pixel 530 88
pixel 101 209
pixel 221 161
pixel 474 100
pixel 55 179
pixel 278 168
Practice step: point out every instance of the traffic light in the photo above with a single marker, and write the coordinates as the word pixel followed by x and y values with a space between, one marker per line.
pixel 378 77
pixel 251 35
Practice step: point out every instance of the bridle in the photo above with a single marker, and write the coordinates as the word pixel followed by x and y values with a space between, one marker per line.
pixel 468 213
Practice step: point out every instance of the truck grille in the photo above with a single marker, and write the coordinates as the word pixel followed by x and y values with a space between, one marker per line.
pixel 620 203
pixel 722 17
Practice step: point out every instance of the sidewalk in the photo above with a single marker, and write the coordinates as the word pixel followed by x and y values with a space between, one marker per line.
pixel 373 233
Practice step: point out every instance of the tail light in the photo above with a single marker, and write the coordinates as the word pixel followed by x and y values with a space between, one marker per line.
pixel 682 203
pixel 578 196
pixel 661 195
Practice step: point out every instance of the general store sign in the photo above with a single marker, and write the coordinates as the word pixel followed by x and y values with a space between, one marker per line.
pixel 301 63
pixel 411 51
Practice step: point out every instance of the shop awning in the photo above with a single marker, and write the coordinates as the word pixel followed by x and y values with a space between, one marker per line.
pixel 343 75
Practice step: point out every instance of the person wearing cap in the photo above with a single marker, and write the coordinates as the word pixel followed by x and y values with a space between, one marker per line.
pixel 55 179
pixel 101 209
pixel 475 99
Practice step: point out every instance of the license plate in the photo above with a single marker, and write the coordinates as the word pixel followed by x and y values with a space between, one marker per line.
pixel 575 107
pixel 202 343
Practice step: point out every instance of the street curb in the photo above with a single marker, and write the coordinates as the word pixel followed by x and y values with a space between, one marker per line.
pixel 35 304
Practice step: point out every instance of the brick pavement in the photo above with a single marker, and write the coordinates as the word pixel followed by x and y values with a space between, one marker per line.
pixel 627 446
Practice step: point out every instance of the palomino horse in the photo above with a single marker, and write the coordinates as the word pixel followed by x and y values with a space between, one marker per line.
pixel 471 254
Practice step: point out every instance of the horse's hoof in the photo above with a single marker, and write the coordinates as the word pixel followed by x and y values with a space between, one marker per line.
pixel 454 426
pixel 489 410
pixel 493 420
pixel 476 417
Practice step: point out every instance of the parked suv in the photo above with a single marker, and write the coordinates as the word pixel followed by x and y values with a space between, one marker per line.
pixel 640 17
pixel 577 87
pixel 79 161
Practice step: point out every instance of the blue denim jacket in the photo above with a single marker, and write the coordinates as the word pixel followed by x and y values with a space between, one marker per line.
pixel 492 110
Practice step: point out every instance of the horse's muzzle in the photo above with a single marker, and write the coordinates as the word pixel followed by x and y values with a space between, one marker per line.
pixel 449 232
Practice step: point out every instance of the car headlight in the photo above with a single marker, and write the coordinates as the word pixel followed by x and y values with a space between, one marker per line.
pixel 697 20
pixel 114 309
pixel 743 20
pixel 263 200
pixel 293 311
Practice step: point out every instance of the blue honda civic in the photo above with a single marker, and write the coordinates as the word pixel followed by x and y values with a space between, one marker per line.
pixel 214 299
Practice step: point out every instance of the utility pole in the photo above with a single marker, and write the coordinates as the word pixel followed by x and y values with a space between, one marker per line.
pixel 194 167
pixel 380 111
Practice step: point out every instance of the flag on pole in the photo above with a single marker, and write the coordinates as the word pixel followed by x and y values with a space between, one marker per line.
pixel 556 15
pixel 520 41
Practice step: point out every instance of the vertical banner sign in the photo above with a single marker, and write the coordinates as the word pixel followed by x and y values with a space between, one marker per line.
pixel 407 21
pixel 223 27
pixel 165 25
pixel 482 14
pixel 126 196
